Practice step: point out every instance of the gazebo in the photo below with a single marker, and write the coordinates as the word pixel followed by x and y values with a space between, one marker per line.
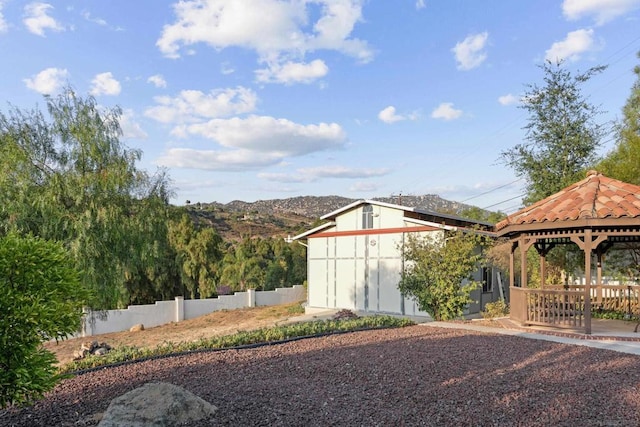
pixel 595 214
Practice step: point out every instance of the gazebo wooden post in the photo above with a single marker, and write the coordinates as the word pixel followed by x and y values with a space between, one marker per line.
pixel 523 261
pixel 599 277
pixel 512 265
pixel 543 269
pixel 587 277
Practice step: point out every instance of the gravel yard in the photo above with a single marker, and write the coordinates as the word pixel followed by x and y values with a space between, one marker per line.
pixel 411 376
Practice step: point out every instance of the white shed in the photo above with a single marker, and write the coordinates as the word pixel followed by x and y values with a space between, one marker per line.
pixel 355 260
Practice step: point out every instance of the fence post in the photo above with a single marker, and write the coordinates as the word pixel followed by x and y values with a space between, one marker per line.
pixel 179 310
pixel 251 297
pixel 85 320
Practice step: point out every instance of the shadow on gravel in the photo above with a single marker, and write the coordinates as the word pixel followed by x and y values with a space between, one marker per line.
pixel 409 376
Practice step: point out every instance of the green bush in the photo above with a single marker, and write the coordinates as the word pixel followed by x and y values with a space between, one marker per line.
pixel 265 335
pixel 495 309
pixel 612 315
pixel 41 300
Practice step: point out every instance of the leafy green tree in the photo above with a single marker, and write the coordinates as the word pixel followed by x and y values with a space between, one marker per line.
pixel 438 272
pixel 41 300
pixel 562 135
pixel 263 264
pixel 68 177
pixel 197 253
pixel 478 214
pixel 623 162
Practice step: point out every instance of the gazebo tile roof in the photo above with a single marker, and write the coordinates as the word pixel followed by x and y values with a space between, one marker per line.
pixel 595 197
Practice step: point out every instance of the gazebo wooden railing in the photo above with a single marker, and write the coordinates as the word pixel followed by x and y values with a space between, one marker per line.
pixel 548 307
pixel 563 307
pixel 622 298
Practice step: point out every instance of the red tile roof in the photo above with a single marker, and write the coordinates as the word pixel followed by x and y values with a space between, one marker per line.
pixel 595 197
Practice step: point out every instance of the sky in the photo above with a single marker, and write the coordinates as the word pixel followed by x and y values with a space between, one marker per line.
pixel 269 99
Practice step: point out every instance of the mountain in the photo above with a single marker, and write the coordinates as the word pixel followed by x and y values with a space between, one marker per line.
pixel 316 206
pixel 289 217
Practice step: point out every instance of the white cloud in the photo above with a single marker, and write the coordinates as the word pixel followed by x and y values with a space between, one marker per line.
pixel 364 187
pixel 509 99
pixel 254 142
pixel 470 53
pixel 131 129
pixel 388 115
pixel 305 175
pixel 268 134
pixel 4 27
pixel 98 21
pixel 48 81
pixel 230 161
pixel 576 43
pixel 37 20
pixel 226 68
pixel 445 111
pixel 286 36
pixel 193 105
pixel 157 80
pixel 602 11
pixel 343 172
pixel 105 84
pixel 420 4
pixel 293 72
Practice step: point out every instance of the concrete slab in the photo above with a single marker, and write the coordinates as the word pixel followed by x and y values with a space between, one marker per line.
pixel 623 344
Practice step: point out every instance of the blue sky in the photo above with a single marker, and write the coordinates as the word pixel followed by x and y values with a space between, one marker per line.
pixel 263 99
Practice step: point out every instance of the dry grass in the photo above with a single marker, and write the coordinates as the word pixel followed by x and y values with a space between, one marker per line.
pixel 215 324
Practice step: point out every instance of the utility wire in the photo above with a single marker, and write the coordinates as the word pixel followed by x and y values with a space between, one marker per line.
pixel 504 201
pixel 491 191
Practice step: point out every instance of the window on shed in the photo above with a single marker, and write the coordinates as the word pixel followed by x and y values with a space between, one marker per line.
pixel 487 279
pixel 367 217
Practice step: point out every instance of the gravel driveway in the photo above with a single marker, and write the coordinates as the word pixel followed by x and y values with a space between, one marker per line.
pixel 417 375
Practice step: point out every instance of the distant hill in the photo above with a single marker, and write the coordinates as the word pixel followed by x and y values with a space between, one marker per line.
pixel 316 206
pixel 288 217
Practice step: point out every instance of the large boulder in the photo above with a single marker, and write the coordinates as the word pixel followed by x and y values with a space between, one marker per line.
pixel 158 405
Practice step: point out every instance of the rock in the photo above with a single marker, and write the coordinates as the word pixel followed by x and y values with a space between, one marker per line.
pixel 136 328
pixel 100 351
pixel 345 314
pixel 88 346
pixel 91 347
pixel 156 404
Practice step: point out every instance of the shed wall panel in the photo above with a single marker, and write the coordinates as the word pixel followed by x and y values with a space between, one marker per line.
pixel 345 284
pixel 317 274
pixel 362 297
pixel 390 297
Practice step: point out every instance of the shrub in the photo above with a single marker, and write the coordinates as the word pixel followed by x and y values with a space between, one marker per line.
pixel 242 338
pixel 41 300
pixel 495 309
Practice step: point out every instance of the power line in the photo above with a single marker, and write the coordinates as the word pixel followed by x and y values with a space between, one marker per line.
pixel 504 201
pixel 491 191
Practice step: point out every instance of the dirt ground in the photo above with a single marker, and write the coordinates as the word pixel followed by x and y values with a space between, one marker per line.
pixel 218 323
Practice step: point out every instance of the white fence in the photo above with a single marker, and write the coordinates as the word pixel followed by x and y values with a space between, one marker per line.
pixel 163 312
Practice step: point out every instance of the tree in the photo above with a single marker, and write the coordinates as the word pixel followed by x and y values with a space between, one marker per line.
pixel 479 214
pixel 623 162
pixel 68 177
pixel 562 136
pixel 438 272
pixel 41 300
pixel 263 264
pixel 197 256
